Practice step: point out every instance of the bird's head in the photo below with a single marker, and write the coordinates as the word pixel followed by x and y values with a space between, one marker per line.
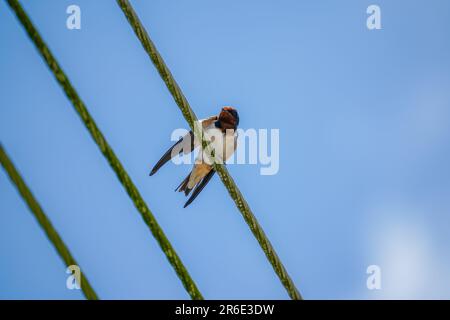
pixel 228 119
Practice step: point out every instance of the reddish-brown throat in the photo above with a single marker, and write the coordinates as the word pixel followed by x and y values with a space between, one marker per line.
pixel 228 119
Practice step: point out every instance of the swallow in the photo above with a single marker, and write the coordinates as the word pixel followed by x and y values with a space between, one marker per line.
pixel 221 130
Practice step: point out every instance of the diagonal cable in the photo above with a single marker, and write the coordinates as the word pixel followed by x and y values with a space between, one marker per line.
pixel 227 180
pixel 107 151
pixel 44 222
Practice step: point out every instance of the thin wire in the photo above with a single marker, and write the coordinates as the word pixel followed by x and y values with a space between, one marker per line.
pixel 44 222
pixel 107 151
pixel 227 180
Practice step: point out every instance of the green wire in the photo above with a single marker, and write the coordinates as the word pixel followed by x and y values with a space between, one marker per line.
pixel 107 151
pixel 44 222
pixel 227 180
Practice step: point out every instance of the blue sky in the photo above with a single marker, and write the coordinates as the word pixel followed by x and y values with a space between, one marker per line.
pixel 364 120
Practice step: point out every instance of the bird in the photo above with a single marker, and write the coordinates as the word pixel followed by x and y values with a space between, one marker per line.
pixel 221 130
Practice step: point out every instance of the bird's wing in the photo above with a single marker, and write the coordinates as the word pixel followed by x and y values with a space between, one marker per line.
pixel 186 144
pixel 208 121
pixel 199 187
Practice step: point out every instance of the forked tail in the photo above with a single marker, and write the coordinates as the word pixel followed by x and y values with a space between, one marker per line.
pixel 183 186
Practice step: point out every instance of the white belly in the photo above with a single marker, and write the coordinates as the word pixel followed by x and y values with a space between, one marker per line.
pixel 222 144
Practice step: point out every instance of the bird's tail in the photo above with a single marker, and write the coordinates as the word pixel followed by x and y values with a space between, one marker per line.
pixel 184 186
